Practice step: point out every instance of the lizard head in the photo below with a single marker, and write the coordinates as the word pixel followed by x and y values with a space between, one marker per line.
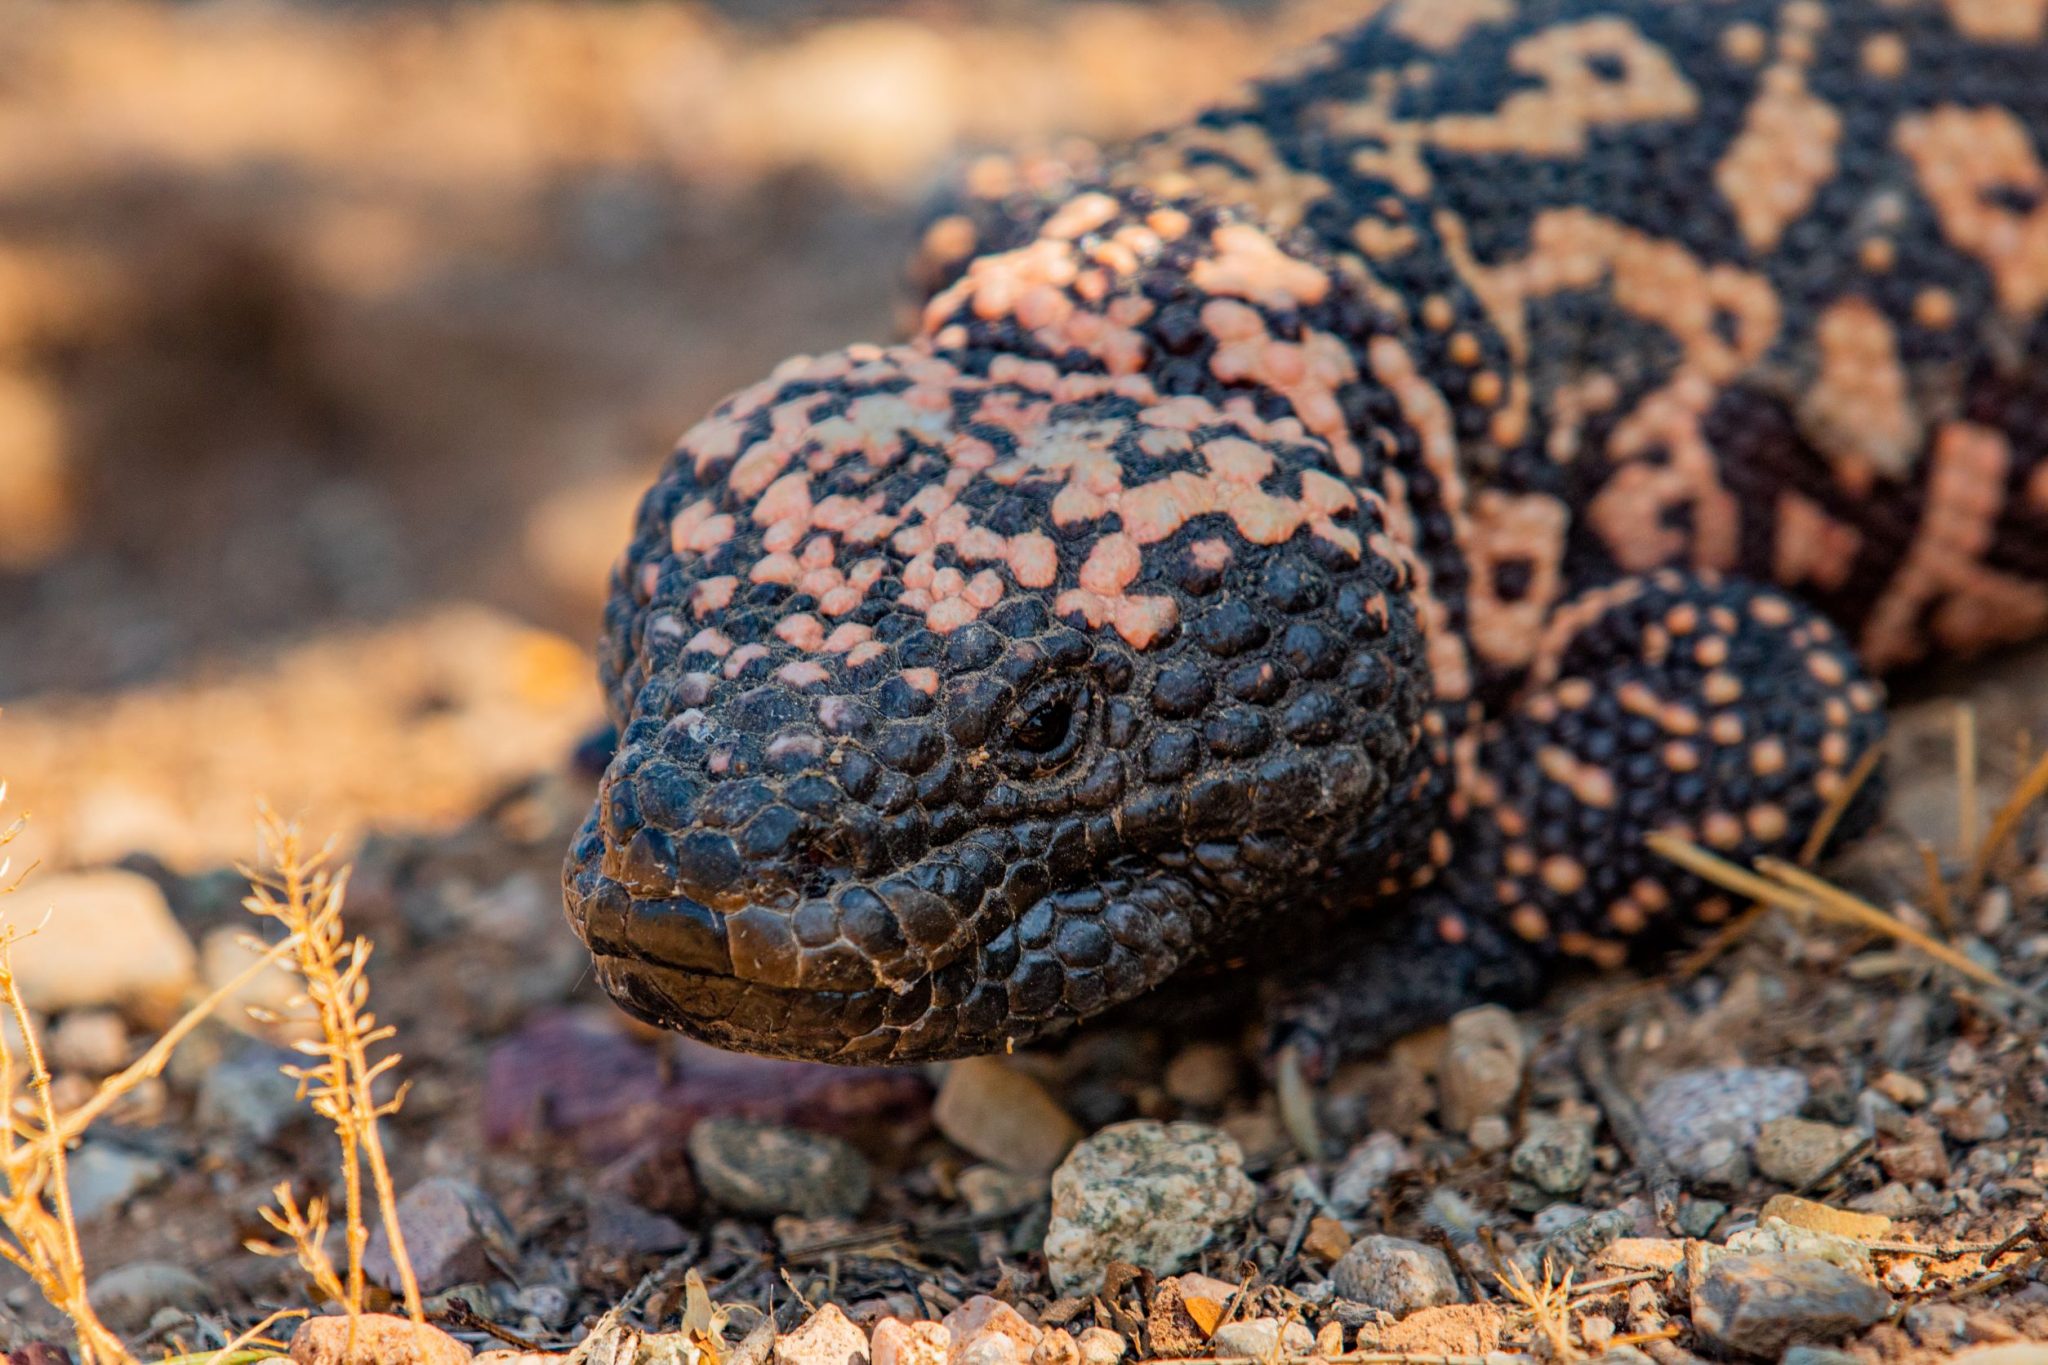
pixel 963 695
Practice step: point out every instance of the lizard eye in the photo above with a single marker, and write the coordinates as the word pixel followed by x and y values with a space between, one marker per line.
pixel 1046 727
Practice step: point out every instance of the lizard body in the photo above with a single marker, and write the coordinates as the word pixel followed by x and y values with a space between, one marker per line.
pixel 1346 525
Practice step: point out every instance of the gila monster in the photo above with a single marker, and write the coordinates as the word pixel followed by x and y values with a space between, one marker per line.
pixel 1334 532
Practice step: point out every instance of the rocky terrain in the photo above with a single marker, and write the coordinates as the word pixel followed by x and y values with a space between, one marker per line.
pixel 333 343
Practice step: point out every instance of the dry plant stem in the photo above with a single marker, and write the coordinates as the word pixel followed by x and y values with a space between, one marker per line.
pixel 1966 774
pixel 342 1084
pixel 1733 932
pixel 2031 789
pixel 1797 890
pixel 1937 890
pixel 1630 1131
pixel 1856 910
pixel 46 1238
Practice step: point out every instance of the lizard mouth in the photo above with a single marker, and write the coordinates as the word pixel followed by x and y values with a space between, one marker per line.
pixel 973 949
pixel 894 971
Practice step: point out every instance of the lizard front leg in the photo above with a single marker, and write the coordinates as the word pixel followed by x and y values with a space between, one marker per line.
pixel 1714 710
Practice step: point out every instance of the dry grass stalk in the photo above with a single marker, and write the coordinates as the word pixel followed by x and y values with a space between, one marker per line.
pixel 2003 825
pixel 1967 803
pixel 1548 1303
pixel 304 892
pixel 305 1240
pixel 1793 888
pixel 35 1195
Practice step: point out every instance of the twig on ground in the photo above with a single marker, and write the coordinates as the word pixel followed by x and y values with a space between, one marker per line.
pixel 1838 1165
pixel 1629 1129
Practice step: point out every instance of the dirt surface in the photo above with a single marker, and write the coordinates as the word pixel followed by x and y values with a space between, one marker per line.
pixel 334 342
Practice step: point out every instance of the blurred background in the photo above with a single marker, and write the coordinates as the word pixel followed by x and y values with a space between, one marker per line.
pixel 336 341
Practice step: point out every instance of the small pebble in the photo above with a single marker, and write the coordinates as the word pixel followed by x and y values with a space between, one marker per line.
pixel 990 1108
pixel 90 1042
pixel 1981 1119
pixel 896 1342
pixel 248 1094
pixel 1819 1355
pixel 1901 1089
pixel 277 993
pixel 1261 1339
pixel 1806 1213
pixel 991 1189
pixel 1366 1169
pixel 1891 1201
pixel 110 941
pixel 1056 1346
pixel 1100 1346
pixel 105 1176
pixel 1641 1253
pixel 1697 1217
pixel 127 1298
pixel 1395 1275
pixel 1759 1305
pixel 1796 1152
pixel 374 1339
pixel 1707 1120
pixel 1202 1075
pixel 827 1337
pixel 1467 1329
pixel 1482 1066
pixel 764 1168
pixel 1490 1133
pixel 452 1230
pixel 1776 1237
pixel 1919 1155
pixel 1556 1156
pixel 1326 1239
pixel 1148 1193
pixel 983 1317
pixel 2008 1353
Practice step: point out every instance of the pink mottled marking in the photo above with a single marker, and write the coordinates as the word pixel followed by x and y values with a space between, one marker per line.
pixel 709 641
pixel 803 673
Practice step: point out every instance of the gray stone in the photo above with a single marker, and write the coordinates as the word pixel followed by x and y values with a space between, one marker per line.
pixel 248 1094
pixel 1203 1075
pixel 1819 1355
pixel 1556 1156
pixel 2007 1353
pixel 453 1231
pixel 1366 1169
pixel 764 1168
pixel 90 1043
pixel 1776 1237
pixel 1395 1275
pixel 109 940
pixel 104 1176
pixel 1261 1339
pixel 1706 1121
pixel 129 1297
pixel 1000 1114
pixel 1759 1305
pixel 1152 1194
pixel 1482 1066
pixel 1796 1152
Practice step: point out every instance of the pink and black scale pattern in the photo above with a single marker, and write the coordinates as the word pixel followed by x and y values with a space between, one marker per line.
pixel 1346 524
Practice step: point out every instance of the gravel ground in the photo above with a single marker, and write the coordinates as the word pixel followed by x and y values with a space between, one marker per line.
pixel 316 433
